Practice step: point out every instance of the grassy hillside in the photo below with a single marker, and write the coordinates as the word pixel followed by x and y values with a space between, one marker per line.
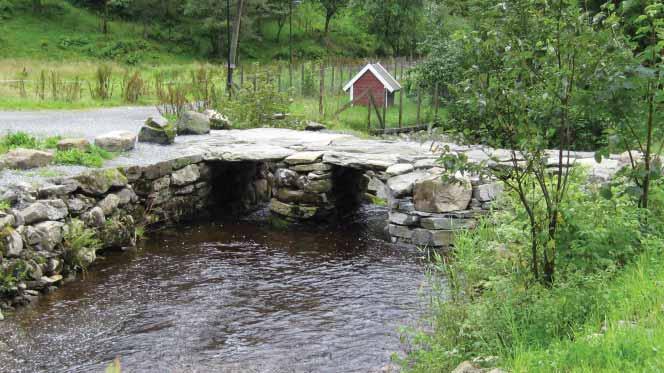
pixel 63 32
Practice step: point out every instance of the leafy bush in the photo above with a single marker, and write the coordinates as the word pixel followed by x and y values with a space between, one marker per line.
pixel 256 106
pixel 484 303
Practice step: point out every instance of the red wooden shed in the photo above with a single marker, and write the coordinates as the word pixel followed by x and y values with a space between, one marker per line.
pixel 376 79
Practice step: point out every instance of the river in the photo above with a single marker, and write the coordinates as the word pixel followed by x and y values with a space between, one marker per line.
pixel 229 296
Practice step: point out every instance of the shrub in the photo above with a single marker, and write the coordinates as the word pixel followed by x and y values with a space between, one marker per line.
pixel 484 303
pixel 256 106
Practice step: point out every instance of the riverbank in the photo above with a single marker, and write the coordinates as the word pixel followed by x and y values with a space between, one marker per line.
pixel 602 314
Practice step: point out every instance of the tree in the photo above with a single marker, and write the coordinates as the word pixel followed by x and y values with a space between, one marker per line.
pixel 211 16
pixel 332 8
pixel 637 98
pixel 536 70
pixel 279 10
pixel 396 22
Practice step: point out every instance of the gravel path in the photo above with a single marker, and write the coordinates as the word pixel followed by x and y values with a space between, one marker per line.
pixel 76 123
pixel 81 123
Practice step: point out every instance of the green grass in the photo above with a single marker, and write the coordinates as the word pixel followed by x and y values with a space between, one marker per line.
pixel 92 157
pixel 65 32
pixel 628 337
pixel 604 313
pixel 356 118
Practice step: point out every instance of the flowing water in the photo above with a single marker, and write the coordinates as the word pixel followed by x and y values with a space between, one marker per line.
pixel 228 296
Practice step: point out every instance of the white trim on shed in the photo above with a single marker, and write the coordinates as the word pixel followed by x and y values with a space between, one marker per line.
pixel 380 73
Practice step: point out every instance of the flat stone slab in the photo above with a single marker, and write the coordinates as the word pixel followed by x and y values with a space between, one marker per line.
pixel 253 145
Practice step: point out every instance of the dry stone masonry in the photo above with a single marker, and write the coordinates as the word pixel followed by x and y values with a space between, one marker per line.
pixel 300 175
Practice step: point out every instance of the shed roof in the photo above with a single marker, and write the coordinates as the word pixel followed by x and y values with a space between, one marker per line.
pixel 379 72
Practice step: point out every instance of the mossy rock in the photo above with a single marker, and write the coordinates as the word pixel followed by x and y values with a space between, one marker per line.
pixel 99 182
pixel 157 133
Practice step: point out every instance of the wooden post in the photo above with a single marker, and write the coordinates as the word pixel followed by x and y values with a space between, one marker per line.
pixel 341 78
pixel 401 75
pixel 369 116
pixel 290 75
pixel 332 81
pixel 395 67
pixel 241 76
pixel 302 79
pixel 436 100
pixel 401 107
pixel 322 90
pixel 255 81
pixel 419 104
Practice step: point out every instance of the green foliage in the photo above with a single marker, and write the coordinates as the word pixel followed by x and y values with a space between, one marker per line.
pixel 484 303
pixel 93 157
pixel 11 275
pixel 4 205
pixel 256 106
pixel 80 244
pixel 13 140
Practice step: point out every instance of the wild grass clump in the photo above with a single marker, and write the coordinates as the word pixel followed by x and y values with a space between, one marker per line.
pixel 487 308
pixel 81 244
pixel 102 87
pixel 93 157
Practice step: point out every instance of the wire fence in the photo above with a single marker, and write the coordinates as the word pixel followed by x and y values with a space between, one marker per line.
pixel 311 85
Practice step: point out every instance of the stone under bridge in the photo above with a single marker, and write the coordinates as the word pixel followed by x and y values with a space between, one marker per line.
pixel 301 175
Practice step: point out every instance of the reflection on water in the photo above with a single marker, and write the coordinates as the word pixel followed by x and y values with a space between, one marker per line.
pixel 228 296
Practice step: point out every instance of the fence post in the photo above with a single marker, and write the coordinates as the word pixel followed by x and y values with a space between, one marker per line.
pixel 419 104
pixel 255 81
pixel 302 79
pixel 436 100
pixel 290 75
pixel 241 76
pixel 401 107
pixel 322 90
pixel 332 81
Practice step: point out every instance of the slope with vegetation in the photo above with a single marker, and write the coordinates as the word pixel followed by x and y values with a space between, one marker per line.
pixel 566 276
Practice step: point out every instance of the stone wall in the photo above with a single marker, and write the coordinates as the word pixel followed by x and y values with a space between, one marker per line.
pixel 427 210
pixel 35 256
pixel 308 189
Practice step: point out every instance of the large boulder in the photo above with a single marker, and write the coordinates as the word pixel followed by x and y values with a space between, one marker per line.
pixel 118 232
pixel 402 185
pixel 116 141
pixel 49 233
pixel 157 131
pixel 193 123
pixel 73 144
pixel 217 120
pixel 25 159
pixel 98 182
pixel 433 194
pixel 12 243
pixel 44 210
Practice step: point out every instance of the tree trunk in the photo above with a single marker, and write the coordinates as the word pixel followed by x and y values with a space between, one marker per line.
pixel 328 18
pixel 36 6
pixel 236 31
